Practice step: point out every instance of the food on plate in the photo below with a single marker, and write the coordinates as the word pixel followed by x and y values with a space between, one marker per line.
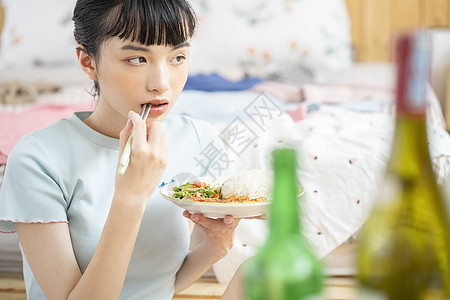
pixel 198 191
pixel 253 185
pixel 244 187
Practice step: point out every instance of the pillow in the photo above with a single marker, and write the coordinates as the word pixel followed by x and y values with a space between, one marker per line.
pixel 37 33
pixel 236 38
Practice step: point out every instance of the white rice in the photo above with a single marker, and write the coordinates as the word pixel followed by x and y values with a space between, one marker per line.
pixel 253 183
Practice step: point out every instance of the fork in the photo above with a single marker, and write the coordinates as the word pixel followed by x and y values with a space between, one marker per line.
pixel 126 155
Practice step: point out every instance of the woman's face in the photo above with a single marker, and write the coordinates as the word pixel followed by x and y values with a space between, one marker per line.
pixel 131 74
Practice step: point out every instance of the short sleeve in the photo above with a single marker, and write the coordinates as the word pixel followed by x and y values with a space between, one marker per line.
pixel 30 191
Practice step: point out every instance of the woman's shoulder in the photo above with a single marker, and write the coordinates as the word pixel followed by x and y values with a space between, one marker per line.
pixel 48 132
pixel 40 142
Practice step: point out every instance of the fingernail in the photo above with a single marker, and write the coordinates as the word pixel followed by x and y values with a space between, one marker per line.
pixel 128 122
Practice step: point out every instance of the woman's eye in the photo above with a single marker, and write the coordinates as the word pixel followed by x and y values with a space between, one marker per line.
pixel 178 59
pixel 137 60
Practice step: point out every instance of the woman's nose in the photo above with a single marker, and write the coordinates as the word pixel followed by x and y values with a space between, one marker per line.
pixel 158 80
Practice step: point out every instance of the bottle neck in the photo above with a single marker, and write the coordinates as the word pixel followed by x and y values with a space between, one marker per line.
pixel 284 214
pixel 410 144
pixel 410 137
pixel 412 75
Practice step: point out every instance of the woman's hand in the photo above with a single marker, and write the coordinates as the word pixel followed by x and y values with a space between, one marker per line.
pixel 218 240
pixel 218 234
pixel 147 163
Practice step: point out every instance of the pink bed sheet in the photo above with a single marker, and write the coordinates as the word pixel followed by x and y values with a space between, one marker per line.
pixel 15 124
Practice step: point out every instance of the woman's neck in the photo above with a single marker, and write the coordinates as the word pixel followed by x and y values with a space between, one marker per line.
pixel 106 120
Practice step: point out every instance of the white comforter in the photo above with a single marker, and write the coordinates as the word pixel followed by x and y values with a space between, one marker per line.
pixel 342 158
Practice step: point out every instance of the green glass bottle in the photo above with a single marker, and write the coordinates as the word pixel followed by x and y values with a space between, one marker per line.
pixel 284 268
pixel 404 247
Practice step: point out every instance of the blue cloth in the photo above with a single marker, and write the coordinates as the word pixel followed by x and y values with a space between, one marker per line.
pixel 214 83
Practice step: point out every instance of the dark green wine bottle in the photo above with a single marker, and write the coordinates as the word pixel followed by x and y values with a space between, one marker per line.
pixel 284 268
pixel 404 249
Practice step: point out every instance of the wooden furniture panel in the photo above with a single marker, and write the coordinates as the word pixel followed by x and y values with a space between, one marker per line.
pixel 448 15
pixel 12 287
pixel 405 14
pixel 435 13
pixel 375 30
pixel 375 23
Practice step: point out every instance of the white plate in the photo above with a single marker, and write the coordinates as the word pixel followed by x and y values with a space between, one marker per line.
pixel 216 210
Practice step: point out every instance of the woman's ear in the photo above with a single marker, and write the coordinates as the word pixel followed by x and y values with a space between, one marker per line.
pixel 87 63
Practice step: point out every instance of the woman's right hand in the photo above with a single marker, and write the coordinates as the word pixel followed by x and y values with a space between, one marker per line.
pixel 147 163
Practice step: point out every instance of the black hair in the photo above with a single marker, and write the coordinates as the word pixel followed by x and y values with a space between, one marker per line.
pixel 149 22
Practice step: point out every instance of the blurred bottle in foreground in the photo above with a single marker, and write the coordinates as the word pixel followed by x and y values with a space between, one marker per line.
pixel 404 247
pixel 285 268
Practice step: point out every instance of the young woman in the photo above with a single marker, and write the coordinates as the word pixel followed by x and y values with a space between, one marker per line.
pixel 87 232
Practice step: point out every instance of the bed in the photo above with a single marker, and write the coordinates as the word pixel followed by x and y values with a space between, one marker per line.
pixel 303 87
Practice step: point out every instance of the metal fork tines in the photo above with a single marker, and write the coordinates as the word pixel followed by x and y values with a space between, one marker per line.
pixel 145 111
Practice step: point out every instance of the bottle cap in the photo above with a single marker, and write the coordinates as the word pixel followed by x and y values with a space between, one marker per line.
pixel 412 58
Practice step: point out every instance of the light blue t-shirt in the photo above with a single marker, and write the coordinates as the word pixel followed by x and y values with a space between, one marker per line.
pixel 65 173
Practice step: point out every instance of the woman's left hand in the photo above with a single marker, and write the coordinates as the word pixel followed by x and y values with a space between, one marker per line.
pixel 218 233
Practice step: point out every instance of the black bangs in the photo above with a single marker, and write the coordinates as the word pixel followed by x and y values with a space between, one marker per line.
pixel 152 22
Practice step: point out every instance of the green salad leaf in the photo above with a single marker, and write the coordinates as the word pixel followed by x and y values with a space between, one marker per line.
pixel 189 189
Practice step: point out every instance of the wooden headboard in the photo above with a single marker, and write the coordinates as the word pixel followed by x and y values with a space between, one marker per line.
pixel 375 22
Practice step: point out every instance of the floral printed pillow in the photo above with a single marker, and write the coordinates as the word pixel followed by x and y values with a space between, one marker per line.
pixel 262 37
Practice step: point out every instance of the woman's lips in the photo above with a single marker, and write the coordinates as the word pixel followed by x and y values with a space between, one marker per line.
pixel 158 109
pixel 159 106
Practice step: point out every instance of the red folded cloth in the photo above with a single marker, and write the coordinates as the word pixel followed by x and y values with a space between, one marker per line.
pixel 13 125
